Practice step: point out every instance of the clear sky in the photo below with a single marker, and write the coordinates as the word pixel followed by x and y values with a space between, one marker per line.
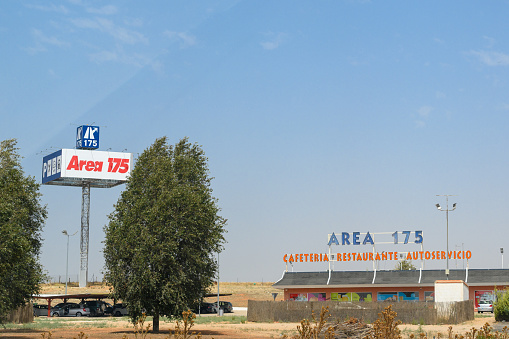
pixel 316 116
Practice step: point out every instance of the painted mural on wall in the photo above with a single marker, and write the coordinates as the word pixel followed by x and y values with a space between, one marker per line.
pixel 408 296
pixel 387 296
pixel 351 296
pixel 299 296
pixel 316 297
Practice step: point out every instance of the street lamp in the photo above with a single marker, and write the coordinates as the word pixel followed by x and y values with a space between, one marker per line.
pixel 502 253
pixel 67 260
pixel 218 307
pixel 447 220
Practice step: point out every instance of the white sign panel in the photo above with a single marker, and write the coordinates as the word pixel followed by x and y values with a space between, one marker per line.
pixel 87 164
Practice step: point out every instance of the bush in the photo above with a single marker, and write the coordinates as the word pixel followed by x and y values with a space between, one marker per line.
pixel 501 309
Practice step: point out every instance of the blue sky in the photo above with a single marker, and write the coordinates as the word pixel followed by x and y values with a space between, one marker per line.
pixel 317 117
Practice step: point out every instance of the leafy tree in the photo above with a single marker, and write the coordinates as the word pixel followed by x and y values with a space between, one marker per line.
pixel 404 265
pixel 164 232
pixel 21 220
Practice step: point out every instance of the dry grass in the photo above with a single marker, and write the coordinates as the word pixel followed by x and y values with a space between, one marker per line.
pixel 242 292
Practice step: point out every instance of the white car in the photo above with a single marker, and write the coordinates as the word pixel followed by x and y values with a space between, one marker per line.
pixel 485 306
pixel 119 310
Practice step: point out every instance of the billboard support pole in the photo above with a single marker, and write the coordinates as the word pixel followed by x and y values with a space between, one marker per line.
pixel 85 217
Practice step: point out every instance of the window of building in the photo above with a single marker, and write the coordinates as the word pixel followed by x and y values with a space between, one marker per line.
pixel 316 296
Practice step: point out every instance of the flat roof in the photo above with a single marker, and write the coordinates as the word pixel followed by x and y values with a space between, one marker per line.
pixel 98 296
pixel 473 277
pixel 72 296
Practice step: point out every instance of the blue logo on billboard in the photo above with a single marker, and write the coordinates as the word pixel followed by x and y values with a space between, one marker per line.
pixel 87 137
pixel 52 167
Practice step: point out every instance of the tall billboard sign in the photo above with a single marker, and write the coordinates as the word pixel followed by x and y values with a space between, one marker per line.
pixel 87 137
pixel 71 167
pixel 83 167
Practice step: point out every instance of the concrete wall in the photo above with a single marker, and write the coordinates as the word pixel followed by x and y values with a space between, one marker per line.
pixel 407 312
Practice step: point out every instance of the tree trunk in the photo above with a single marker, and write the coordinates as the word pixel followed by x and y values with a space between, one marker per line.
pixel 155 322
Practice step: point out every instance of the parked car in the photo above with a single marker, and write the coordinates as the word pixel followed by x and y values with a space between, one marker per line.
pixel 76 310
pixel 57 311
pixel 485 306
pixel 119 310
pixel 226 306
pixel 60 305
pixel 108 310
pixel 205 308
pixel 40 310
pixel 96 307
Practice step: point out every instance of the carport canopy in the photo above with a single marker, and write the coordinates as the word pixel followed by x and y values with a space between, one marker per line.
pixel 89 296
pixel 65 297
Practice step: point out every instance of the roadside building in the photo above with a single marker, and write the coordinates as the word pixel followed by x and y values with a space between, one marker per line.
pixel 395 285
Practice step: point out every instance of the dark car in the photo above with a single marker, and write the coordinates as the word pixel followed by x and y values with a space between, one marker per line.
pixel 108 310
pixel 205 308
pixel 97 307
pixel 40 310
pixel 226 306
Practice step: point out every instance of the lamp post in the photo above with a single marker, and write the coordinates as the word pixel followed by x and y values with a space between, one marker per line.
pixel 502 253
pixel 447 221
pixel 218 307
pixel 67 260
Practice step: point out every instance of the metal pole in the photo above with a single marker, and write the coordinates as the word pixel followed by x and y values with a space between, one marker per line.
pixel 67 263
pixel 67 258
pixel 463 260
pixel 502 253
pixel 447 225
pixel 85 217
pixel 456 259
pixel 218 284
pixel 447 218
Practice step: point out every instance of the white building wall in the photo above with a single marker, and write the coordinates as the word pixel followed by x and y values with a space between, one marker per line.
pixel 450 290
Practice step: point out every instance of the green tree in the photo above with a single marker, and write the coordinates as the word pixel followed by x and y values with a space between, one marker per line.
pixel 404 265
pixel 21 219
pixel 163 234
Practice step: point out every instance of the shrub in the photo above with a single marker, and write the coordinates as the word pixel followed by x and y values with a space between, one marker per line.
pixel 501 309
pixel 386 326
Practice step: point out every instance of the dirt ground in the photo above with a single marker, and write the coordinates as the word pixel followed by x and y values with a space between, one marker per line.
pixel 241 293
pixel 218 330
pixel 223 330
pixel 433 330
